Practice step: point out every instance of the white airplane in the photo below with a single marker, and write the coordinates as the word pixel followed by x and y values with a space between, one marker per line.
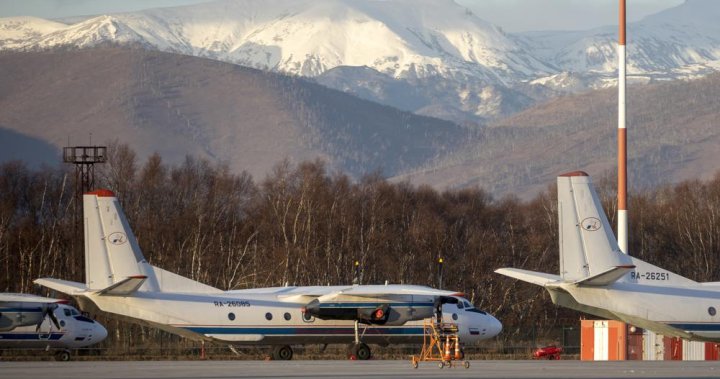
pixel 120 281
pixel 28 321
pixel 597 278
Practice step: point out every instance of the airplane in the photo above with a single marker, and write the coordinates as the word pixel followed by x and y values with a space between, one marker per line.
pixel 596 277
pixel 120 281
pixel 29 321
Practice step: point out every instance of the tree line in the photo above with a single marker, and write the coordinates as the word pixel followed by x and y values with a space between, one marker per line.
pixel 306 225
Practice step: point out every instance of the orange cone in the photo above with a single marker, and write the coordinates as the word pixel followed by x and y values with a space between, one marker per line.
pixel 458 355
pixel 447 356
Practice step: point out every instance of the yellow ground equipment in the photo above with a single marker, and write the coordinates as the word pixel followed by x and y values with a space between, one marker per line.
pixel 440 344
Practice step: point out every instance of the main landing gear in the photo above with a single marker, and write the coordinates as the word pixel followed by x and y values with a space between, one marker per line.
pixel 282 353
pixel 359 350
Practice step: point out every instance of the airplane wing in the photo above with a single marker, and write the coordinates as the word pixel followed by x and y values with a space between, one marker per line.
pixel 374 304
pixel 377 292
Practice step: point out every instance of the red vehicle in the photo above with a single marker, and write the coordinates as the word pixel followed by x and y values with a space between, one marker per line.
pixel 551 352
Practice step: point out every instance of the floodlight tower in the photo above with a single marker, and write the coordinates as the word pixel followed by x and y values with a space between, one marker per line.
pixel 622 137
pixel 84 158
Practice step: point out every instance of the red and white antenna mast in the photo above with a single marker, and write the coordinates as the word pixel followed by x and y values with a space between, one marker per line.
pixel 622 138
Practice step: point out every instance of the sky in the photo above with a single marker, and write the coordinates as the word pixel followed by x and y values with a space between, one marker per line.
pixel 511 15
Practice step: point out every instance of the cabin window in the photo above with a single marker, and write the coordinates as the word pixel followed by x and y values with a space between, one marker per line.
pixel 712 311
pixel 231 316
pixel 62 323
pixel 454 316
pixel 287 316
pixel 268 316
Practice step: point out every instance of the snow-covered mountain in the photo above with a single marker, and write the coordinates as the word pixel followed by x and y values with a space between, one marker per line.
pixel 401 38
pixel 680 42
pixel 406 40
pixel 431 57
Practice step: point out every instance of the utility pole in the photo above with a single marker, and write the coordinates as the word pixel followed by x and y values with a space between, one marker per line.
pixel 622 137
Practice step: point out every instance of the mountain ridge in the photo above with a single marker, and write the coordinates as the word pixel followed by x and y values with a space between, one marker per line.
pixel 177 105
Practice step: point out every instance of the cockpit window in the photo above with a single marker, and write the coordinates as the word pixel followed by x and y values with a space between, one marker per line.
pixel 66 312
pixel 84 319
pixel 75 312
pixel 467 305
pixel 460 305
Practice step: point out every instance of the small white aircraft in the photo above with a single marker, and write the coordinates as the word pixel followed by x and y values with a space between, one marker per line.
pixel 597 278
pixel 120 281
pixel 28 321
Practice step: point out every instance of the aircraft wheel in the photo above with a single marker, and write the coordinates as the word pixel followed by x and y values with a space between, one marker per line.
pixel 441 364
pixel 466 364
pixel 361 351
pixel 282 353
pixel 62 356
pixel 415 364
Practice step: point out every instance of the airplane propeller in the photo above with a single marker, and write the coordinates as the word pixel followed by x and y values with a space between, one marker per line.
pixel 48 311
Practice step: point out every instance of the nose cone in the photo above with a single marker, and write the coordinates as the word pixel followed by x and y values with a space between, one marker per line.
pixel 99 333
pixel 494 326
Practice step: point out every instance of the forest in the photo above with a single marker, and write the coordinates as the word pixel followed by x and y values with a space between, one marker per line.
pixel 304 224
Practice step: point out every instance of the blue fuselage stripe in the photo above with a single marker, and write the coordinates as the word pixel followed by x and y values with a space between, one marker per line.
pixel 303 331
pixel 373 305
pixel 30 336
pixel 699 327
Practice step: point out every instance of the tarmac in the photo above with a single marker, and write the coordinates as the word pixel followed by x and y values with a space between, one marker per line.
pixel 357 369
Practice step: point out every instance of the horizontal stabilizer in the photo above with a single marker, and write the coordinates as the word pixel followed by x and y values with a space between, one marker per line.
pixel 124 287
pixel 64 286
pixel 606 277
pixel 538 278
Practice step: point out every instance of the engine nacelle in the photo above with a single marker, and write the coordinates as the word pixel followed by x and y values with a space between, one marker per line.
pixel 10 320
pixel 376 315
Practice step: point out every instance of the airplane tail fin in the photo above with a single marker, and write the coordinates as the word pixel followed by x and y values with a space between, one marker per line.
pixel 589 252
pixel 588 247
pixel 112 253
pixel 114 263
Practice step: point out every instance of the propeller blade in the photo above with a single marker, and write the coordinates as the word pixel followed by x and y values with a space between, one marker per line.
pixel 54 319
pixel 48 311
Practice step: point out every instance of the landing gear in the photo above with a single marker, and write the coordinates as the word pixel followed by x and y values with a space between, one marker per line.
pixel 360 351
pixel 282 353
pixel 62 356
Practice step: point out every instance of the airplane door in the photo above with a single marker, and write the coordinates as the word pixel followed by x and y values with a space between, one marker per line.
pixel 601 341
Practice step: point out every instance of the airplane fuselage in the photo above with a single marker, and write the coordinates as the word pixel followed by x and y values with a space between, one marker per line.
pixel 243 317
pixel 681 311
pixel 75 331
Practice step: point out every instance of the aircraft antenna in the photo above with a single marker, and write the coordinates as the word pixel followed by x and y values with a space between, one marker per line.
pixel 622 136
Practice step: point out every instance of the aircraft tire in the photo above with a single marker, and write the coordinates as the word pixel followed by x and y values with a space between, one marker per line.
pixel 361 351
pixel 62 356
pixel 282 353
